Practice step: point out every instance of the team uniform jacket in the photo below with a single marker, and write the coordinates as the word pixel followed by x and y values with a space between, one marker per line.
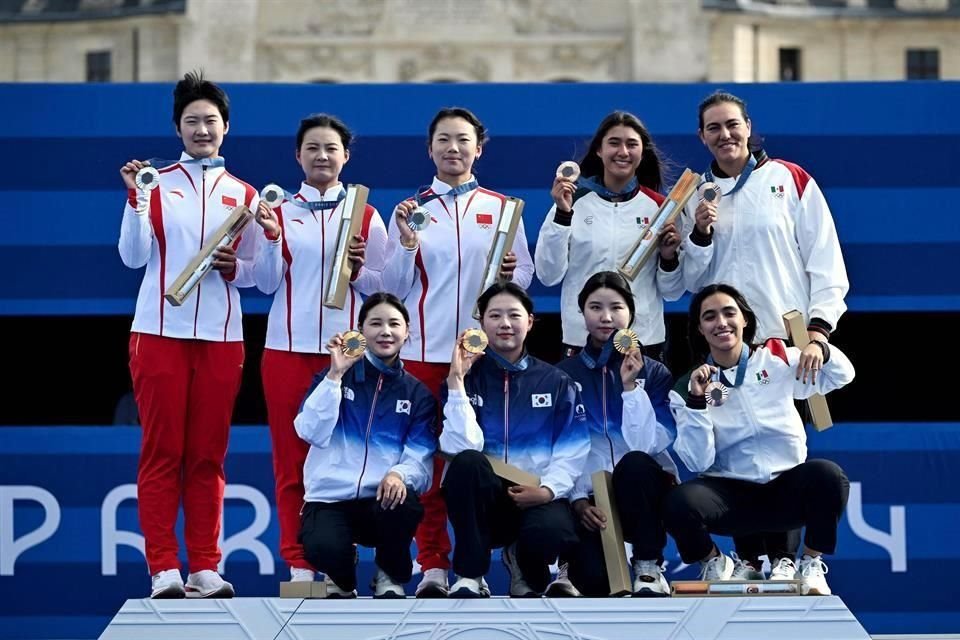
pixel 532 419
pixel 621 421
pixel 756 434
pixel 361 428
pixel 775 241
pixel 187 207
pixel 296 268
pixel 599 238
pixel 440 280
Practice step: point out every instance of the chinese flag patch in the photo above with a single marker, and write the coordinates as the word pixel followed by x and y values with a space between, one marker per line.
pixel 230 202
pixel 484 218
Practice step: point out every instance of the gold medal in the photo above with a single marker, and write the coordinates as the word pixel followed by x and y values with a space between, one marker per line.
pixel 273 195
pixel 569 170
pixel 624 340
pixel 354 344
pixel 474 340
pixel 716 393
pixel 709 192
pixel 418 219
pixel 147 179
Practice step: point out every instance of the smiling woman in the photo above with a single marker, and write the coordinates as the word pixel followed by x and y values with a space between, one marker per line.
pixel 293 266
pixel 438 245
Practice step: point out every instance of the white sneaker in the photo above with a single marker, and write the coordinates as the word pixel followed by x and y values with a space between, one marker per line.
pixel 334 592
pixel 784 570
pixel 812 571
pixel 167 585
pixel 518 586
pixel 302 575
pixel 383 586
pixel 470 588
pixel 719 567
pixel 561 587
pixel 434 584
pixel 208 584
pixel 648 580
pixel 743 570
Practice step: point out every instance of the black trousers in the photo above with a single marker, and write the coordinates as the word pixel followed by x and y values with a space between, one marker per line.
pixel 812 495
pixel 484 517
pixel 328 531
pixel 773 544
pixel 640 487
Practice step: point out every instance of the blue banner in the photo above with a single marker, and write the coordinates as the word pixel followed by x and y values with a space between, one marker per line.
pixel 71 550
pixel 75 211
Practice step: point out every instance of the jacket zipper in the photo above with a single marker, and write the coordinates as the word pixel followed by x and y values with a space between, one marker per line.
pixel 366 439
pixel 506 416
pixel 603 404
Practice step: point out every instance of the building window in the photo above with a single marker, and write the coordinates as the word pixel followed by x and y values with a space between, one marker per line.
pixel 923 64
pixel 790 65
pixel 98 66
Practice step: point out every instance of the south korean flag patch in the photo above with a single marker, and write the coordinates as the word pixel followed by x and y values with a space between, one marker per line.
pixel 403 406
pixel 539 400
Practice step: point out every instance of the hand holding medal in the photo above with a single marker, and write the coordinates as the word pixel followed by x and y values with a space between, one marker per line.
pixel 626 342
pixel 345 349
pixel 565 185
pixel 469 347
pixel 408 231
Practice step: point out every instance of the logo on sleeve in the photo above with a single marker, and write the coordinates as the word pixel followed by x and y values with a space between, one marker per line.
pixel 348 393
pixel 403 406
pixel 476 400
pixel 541 400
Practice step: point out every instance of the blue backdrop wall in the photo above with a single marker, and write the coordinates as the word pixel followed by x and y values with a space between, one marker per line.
pixel 883 153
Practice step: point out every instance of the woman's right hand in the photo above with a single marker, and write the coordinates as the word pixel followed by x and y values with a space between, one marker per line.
pixel 592 518
pixel 562 193
pixel 340 362
pixel 129 171
pixel 460 363
pixel 408 237
pixel 705 216
pixel 700 378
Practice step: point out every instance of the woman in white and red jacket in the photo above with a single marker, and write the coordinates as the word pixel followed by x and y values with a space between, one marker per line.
pixel 438 273
pixel 186 361
pixel 370 430
pixel 739 429
pixel 616 197
pixel 296 268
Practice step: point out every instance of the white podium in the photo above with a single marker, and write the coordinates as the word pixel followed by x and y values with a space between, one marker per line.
pixel 714 618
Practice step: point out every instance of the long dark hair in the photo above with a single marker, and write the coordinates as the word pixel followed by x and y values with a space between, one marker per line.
pixel 698 343
pixel 649 173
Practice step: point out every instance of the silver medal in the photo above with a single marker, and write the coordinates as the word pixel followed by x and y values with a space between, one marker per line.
pixel 418 219
pixel 273 195
pixel 147 179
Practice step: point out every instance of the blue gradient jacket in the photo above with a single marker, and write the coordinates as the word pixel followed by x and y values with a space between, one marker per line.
pixel 375 420
pixel 528 414
pixel 621 421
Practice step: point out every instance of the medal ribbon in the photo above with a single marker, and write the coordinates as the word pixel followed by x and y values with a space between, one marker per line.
pixel 423 197
pixel 742 180
pixel 741 369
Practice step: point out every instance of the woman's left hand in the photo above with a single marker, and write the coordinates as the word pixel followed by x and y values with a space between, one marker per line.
pixel 392 491
pixel 225 260
pixel 811 361
pixel 630 369
pixel 526 497
pixel 508 266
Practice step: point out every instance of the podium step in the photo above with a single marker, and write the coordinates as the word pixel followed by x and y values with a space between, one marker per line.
pixel 744 618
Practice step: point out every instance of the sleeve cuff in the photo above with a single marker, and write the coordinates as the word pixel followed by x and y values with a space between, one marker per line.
pixel 670 265
pixel 821 326
pixel 563 218
pixel 696 402
pixel 701 239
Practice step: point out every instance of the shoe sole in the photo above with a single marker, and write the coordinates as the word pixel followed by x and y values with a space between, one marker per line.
pixel 529 594
pixel 337 596
pixel 172 592
pixel 650 593
pixel 390 596
pixel 466 594
pixel 560 593
pixel 226 591
pixel 431 592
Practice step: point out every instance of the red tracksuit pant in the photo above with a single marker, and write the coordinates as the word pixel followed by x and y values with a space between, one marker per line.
pixel 433 541
pixel 286 379
pixel 185 392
